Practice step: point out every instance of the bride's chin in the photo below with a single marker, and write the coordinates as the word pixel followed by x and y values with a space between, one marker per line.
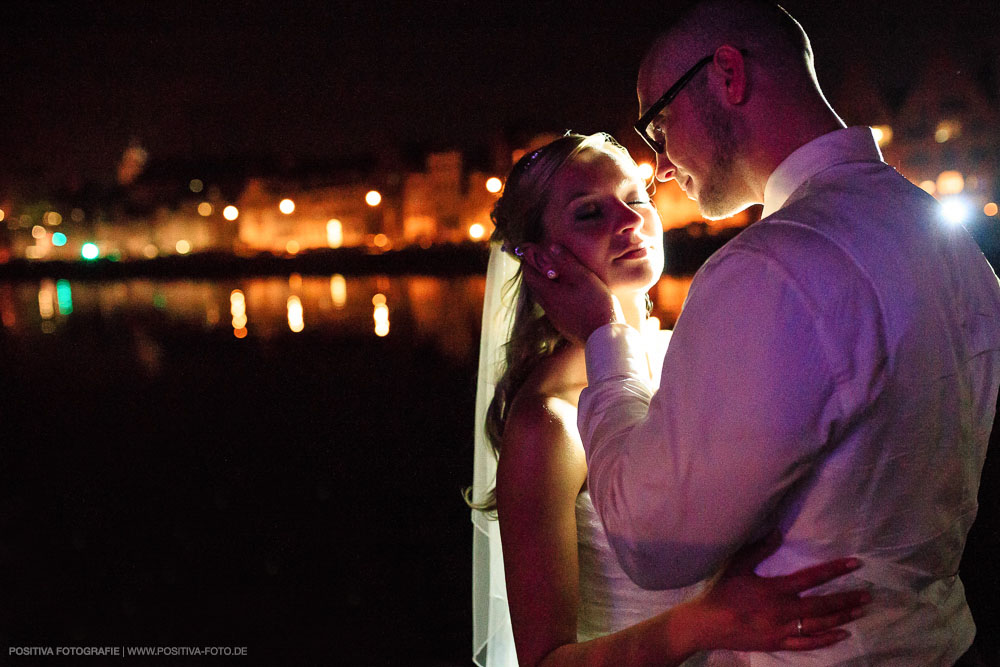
pixel 637 287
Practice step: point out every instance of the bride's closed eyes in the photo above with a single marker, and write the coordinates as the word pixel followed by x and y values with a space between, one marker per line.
pixel 590 210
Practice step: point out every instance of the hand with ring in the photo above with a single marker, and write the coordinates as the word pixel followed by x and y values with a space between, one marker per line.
pixel 746 612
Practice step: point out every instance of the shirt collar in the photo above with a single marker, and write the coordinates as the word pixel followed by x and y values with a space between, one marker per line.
pixel 852 144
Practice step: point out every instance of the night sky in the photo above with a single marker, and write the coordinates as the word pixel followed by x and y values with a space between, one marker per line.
pixel 326 79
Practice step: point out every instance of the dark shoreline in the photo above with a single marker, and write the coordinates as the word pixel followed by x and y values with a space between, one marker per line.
pixel 684 253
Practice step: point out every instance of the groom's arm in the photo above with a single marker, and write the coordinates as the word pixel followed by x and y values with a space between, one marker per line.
pixel 751 392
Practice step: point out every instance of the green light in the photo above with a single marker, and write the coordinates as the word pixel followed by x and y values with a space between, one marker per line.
pixel 64 297
pixel 89 251
pixel 59 239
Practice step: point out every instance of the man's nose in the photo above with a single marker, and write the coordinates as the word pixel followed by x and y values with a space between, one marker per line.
pixel 664 168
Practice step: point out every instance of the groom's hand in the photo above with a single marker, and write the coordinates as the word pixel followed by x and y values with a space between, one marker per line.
pixel 573 298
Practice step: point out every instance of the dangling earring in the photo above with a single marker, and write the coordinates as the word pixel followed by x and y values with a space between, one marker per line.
pixel 649 305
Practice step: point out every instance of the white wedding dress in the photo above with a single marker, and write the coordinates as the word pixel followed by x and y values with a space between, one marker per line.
pixel 609 601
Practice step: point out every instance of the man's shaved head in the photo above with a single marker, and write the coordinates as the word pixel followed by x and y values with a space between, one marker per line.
pixel 774 41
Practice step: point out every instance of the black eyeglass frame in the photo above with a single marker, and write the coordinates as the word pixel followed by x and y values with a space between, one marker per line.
pixel 642 125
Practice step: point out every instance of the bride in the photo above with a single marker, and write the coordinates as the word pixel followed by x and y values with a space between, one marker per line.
pixel 569 602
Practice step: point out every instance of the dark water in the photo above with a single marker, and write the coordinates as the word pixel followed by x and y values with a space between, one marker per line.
pixel 164 482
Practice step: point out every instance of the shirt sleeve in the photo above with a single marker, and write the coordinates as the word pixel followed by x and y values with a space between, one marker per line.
pixel 684 477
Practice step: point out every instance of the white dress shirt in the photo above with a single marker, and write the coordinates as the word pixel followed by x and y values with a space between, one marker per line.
pixel 834 373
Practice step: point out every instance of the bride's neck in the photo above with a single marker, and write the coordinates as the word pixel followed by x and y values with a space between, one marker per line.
pixel 565 373
pixel 634 309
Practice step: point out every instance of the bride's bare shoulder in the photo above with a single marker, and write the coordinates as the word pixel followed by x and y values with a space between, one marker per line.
pixel 540 435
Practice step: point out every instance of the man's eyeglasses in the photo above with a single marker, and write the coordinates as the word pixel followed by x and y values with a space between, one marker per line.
pixel 644 125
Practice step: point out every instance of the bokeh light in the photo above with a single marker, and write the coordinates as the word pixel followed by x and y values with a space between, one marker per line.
pixel 381 317
pixel 373 198
pixel 38 232
pixel 47 299
pixel 64 297
pixel 89 251
pixel 196 185
pixel 286 206
pixel 476 231
pixel 183 246
pixel 380 240
pixel 334 233
pixel 59 239
pixel 947 130
pixel 338 290
pixel 950 183
pixel 204 209
pixel 990 209
pixel 292 247
pixel 494 184
pixel 230 213
pixel 645 171
pixel 238 309
pixel 882 134
pixel 295 320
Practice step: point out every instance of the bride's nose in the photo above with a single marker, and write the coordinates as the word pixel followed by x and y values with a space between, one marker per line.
pixel 627 220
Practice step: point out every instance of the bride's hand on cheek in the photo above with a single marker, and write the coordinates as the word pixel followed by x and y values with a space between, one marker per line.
pixel 573 298
pixel 746 612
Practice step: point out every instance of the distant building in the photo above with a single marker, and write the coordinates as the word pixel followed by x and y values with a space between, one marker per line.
pixel 943 136
pixel 946 136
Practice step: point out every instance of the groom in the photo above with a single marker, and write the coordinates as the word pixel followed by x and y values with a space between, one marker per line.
pixel 834 373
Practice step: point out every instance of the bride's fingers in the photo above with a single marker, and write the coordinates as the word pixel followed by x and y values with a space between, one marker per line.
pixel 819 625
pixel 809 642
pixel 810 577
pixel 818 606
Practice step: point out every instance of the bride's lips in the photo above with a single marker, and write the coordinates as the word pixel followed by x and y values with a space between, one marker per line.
pixel 636 253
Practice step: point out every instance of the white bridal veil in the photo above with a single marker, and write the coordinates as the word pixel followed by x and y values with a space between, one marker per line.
pixel 492 638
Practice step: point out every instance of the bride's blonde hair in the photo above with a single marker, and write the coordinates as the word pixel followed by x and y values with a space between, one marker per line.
pixel 518 216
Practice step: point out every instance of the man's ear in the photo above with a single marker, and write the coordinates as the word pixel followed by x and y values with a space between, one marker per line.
pixel 731 63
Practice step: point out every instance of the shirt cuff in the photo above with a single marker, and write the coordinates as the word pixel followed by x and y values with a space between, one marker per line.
pixel 615 350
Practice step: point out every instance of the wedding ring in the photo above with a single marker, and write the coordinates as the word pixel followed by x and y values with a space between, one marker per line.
pixel 551 274
pixel 799 627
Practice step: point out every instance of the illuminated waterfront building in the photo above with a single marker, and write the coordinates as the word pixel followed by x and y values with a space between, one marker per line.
pixel 942 136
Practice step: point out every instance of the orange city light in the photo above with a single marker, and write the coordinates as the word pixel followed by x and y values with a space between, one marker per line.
pixel 882 134
pixel 334 233
pixel 286 206
pixel 494 184
pixel 950 182
pixel 230 213
pixel 373 198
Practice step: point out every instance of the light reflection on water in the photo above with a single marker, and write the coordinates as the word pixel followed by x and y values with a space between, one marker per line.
pixel 443 311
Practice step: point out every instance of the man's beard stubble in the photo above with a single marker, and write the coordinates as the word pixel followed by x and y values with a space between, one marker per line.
pixel 720 195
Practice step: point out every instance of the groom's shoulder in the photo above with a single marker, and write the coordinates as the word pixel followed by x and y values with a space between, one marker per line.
pixel 790 240
pixel 783 249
